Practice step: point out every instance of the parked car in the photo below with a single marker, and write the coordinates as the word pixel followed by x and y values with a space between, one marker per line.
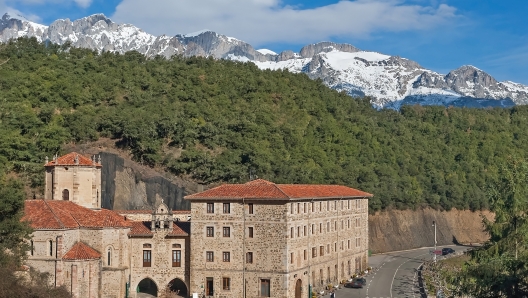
pixel 356 283
pixel 447 250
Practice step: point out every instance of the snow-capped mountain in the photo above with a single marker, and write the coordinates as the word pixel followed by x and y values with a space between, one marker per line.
pixel 390 80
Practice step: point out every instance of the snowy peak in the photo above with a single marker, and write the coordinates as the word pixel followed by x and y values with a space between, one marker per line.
pixel 389 80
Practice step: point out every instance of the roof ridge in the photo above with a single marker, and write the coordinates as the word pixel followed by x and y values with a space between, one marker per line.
pixel 277 186
pixel 52 212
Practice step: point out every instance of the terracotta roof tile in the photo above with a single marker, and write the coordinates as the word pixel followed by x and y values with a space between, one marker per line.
pixel 69 160
pixel 266 190
pixel 180 229
pixel 81 251
pixel 55 214
pixel 140 228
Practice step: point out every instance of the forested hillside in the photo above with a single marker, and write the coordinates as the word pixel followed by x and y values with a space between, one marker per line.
pixel 213 121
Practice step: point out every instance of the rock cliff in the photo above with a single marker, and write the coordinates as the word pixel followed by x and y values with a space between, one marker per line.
pixel 405 229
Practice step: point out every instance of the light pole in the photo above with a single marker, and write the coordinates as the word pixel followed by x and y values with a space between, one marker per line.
pixel 434 257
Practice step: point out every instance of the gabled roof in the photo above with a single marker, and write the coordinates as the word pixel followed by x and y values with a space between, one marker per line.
pixel 55 214
pixel 265 190
pixel 142 229
pixel 69 160
pixel 81 251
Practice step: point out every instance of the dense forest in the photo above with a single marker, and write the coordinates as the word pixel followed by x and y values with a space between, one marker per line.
pixel 214 121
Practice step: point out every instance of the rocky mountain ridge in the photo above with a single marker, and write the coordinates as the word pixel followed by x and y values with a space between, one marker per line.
pixel 390 80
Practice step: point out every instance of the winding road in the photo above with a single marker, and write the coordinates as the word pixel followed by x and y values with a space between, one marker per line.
pixel 394 275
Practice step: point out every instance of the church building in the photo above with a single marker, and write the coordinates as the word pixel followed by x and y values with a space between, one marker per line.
pixel 257 239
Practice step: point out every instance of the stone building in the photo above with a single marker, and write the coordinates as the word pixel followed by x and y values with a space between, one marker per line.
pixel 262 239
pixel 257 239
pixel 95 252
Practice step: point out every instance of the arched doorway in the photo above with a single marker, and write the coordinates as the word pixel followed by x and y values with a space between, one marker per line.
pixel 147 288
pixel 177 288
pixel 298 289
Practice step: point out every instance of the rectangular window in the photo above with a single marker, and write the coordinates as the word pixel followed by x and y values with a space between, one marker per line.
pixel 304 231
pixel 327 205
pixel 250 208
pixel 304 208
pixel 249 257
pixel 321 250
pixel 335 225
pixel 328 227
pixel 291 258
pixel 342 244
pixel 342 225
pixel 312 207
pixel 314 252
pixel 226 283
pixel 265 288
pixel 335 246
pixel 291 208
pixel 147 258
pixel 298 231
pixel 209 256
pixel 328 248
pixel 305 254
pixel 227 208
pixel 291 232
pixel 341 205
pixel 298 208
pixel 313 229
pixel 348 201
pixel 358 242
pixel 250 232
pixel 226 256
pixel 335 205
pixel 320 206
pixel 176 258
pixel 210 207
pixel 348 224
pixel 349 244
pixel 226 232
pixel 320 227
pixel 210 231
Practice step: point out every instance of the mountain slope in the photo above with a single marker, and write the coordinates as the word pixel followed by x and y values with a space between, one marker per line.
pixel 390 80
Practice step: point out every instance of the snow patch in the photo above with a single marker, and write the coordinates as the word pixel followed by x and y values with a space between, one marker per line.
pixel 194 34
pixel 266 52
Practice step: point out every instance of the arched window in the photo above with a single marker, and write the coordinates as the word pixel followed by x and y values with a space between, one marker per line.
pixel 109 257
pixel 50 248
pixel 66 195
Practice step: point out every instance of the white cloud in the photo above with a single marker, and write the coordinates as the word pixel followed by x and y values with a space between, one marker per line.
pixel 83 3
pixel 263 21
pixel 15 13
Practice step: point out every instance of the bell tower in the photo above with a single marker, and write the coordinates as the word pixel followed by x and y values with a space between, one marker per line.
pixel 74 177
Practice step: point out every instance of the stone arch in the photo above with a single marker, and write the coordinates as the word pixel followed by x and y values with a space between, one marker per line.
pixel 65 194
pixel 147 286
pixel 298 288
pixel 177 287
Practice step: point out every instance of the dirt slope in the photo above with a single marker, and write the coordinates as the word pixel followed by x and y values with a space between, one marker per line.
pixel 405 229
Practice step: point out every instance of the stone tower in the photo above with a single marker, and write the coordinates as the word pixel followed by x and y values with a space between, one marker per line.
pixel 75 178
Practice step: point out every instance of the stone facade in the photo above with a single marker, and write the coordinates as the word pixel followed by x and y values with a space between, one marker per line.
pixel 252 247
pixel 257 239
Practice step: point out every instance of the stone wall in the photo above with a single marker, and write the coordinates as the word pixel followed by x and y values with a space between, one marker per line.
pixel 161 271
pixel 284 234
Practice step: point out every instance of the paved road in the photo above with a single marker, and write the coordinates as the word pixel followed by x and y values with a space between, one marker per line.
pixel 395 275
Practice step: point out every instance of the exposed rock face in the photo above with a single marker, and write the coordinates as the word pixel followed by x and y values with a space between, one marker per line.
pixel 405 229
pixel 126 186
pixel 389 80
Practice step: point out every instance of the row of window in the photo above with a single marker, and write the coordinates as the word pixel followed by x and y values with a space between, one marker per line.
pixel 302 231
pixel 226 256
pixel 175 255
pixel 295 208
pixel 226 232
pixel 323 251
pixel 265 286
pixel 50 248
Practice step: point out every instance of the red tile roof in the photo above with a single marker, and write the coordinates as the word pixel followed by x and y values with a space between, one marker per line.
pixel 55 214
pixel 142 229
pixel 69 160
pixel 265 190
pixel 81 251
pixel 146 211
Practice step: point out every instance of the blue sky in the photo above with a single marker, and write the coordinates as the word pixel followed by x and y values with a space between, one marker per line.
pixel 441 35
